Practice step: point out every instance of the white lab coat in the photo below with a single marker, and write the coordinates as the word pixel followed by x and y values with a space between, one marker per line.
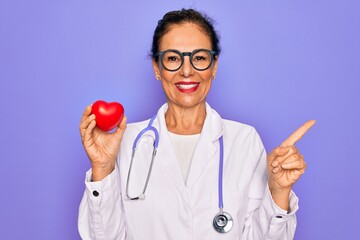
pixel 174 210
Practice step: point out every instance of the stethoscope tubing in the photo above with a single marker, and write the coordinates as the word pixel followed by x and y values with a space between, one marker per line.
pixel 221 166
pixel 148 128
pixel 155 145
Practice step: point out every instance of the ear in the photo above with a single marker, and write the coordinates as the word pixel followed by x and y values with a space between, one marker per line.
pixel 215 66
pixel 156 69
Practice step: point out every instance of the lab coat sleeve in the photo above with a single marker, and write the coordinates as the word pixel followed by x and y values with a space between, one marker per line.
pixel 101 214
pixel 264 219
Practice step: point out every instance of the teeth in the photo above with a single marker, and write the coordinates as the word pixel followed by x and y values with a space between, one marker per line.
pixel 186 86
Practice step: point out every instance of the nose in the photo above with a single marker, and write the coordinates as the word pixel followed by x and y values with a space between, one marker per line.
pixel 186 69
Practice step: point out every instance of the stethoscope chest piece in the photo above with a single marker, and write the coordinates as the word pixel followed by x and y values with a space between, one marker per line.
pixel 222 222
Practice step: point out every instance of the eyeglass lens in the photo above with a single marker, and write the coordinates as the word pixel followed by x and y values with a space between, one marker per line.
pixel 173 60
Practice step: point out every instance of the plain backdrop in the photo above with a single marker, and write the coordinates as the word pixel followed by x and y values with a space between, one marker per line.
pixel 283 63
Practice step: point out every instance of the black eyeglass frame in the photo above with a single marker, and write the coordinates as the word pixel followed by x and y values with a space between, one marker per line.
pixel 183 54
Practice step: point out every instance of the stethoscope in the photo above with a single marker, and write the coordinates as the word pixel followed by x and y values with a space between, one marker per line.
pixel 223 221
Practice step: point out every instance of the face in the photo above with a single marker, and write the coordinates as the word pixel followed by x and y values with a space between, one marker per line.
pixel 186 87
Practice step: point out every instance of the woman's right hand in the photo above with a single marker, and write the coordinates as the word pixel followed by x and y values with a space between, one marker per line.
pixel 101 147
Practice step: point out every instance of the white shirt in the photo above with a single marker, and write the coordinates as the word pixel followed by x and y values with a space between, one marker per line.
pixel 184 147
pixel 173 210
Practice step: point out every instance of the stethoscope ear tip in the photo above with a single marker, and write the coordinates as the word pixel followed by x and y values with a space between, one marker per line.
pixel 141 197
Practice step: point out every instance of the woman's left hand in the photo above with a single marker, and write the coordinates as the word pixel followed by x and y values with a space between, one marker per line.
pixel 285 166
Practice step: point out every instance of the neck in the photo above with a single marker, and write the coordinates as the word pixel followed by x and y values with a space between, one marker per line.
pixel 185 120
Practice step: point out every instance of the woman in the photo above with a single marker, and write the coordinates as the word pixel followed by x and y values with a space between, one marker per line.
pixel 181 196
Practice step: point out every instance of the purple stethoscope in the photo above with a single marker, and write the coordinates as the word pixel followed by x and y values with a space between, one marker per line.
pixel 223 221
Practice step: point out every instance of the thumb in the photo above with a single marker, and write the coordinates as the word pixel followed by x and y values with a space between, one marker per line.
pixel 277 152
pixel 121 127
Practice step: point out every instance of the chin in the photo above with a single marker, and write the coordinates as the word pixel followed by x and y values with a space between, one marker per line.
pixel 189 103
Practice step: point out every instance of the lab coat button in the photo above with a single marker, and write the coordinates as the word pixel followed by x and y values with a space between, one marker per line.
pixel 95 193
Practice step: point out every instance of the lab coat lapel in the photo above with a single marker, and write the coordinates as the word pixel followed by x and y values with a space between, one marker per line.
pixel 166 155
pixel 206 151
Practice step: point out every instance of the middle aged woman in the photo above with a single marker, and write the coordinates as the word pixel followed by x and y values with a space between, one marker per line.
pixel 197 149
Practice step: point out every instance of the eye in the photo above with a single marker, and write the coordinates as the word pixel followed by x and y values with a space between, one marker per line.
pixel 199 58
pixel 172 58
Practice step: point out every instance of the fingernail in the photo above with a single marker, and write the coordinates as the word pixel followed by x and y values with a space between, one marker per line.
pixel 275 163
pixel 285 165
pixel 275 170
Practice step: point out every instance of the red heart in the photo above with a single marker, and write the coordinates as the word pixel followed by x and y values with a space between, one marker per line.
pixel 107 115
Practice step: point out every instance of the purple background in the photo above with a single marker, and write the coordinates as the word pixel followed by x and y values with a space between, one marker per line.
pixel 283 62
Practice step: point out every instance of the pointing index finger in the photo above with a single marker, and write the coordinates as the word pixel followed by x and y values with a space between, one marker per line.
pixel 298 134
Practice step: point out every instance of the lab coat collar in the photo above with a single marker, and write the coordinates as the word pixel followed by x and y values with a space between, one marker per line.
pixel 204 155
pixel 207 150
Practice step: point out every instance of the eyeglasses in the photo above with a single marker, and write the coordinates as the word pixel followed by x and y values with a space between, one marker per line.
pixel 200 59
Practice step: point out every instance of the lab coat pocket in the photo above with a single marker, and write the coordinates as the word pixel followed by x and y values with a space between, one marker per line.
pixel 235 204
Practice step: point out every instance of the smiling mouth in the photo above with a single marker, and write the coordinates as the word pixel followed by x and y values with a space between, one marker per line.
pixel 187 87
